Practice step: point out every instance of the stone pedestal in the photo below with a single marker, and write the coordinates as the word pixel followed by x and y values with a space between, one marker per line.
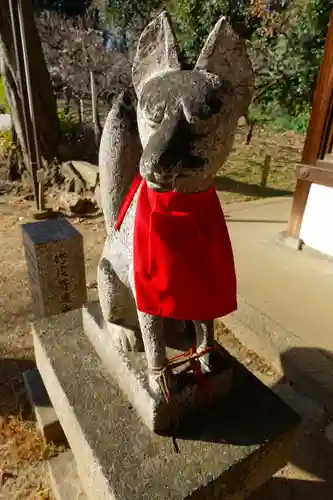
pixel 54 253
pixel 129 369
pixel 226 453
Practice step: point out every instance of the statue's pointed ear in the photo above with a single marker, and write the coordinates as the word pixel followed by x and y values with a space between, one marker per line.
pixel 225 55
pixel 156 52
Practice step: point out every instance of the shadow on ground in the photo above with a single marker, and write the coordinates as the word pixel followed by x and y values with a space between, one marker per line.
pixel 252 416
pixel 231 186
pixel 313 454
pixel 13 398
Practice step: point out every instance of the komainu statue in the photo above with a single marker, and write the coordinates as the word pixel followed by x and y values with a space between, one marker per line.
pixel 167 262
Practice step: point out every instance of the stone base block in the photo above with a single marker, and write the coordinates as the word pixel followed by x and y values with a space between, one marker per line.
pixel 64 479
pixel 46 417
pixel 130 372
pixel 227 454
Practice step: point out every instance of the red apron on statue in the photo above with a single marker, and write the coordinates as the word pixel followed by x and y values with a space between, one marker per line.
pixel 183 260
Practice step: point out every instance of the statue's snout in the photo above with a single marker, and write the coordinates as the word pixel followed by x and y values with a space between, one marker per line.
pixel 169 152
pixel 156 164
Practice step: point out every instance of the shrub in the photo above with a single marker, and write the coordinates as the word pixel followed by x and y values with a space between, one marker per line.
pixel 4 108
pixel 5 142
pixel 67 125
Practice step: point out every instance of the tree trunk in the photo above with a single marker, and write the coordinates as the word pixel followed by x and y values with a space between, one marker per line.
pixel 47 123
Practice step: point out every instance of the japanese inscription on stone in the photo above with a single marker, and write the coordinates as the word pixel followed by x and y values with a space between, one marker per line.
pixel 54 254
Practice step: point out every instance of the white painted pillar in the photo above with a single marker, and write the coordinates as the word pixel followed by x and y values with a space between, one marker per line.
pixel 317 225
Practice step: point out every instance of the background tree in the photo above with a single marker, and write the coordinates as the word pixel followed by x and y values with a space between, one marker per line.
pixel 47 123
pixel 73 48
pixel 291 58
pixel 67 7
pixel 287 38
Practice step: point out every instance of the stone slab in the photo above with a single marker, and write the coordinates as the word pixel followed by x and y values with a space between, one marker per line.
pixel 129 369
pixel 65 482
pixel 88 171
pixel 46 417
pixel 55 258
pixel 237 447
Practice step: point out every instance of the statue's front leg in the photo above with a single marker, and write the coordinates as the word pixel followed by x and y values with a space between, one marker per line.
pixel 204 339
pixel 153 335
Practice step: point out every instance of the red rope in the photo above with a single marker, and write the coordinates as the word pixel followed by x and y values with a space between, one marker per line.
pixel 188 356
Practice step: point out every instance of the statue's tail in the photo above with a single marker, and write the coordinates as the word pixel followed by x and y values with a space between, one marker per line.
pixel 119 157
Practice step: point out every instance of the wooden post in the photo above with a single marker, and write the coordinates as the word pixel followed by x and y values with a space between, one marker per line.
pixel 96 123
pixel 81 111
pixel 264 173
pixel 41 179
pixel 78 109
pixel 316 129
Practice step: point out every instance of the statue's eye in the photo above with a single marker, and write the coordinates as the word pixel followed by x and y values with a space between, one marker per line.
pixel 154 113
pixel 158 113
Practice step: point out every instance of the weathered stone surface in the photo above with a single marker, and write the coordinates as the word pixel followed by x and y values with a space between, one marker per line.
pixel 231 452
pixel 85 171
pixel 97 196
pixel 129 368
pixel 46 417
pixel 88 171
pixel 54 253
pixel 64 479
pixel 74 203
pixel 119 337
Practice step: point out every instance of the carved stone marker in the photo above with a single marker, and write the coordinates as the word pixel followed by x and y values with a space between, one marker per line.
pixel 54 253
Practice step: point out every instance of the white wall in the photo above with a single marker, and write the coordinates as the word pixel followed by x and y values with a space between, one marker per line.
pixel 317 225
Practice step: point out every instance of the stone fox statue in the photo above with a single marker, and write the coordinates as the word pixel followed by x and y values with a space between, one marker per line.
pixel 167 258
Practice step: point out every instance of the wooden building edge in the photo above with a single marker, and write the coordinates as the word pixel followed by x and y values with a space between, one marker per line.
pixel 311 218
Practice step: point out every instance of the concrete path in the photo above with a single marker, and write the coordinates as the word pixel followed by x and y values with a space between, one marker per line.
pixel 285 297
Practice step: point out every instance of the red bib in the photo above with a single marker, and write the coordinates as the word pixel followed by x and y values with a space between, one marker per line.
pixel 183 261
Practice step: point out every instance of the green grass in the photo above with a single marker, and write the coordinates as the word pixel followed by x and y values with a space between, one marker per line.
pixel 4 108
pixel 5 142
pixel 67 124
pixel 239 179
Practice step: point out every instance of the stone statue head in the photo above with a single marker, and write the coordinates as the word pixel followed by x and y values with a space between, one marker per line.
pixel 187 118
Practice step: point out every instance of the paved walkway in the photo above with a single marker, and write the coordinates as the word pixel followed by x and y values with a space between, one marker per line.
pixel 285 297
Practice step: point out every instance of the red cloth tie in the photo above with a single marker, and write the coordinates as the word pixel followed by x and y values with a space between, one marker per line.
pixel 183 261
